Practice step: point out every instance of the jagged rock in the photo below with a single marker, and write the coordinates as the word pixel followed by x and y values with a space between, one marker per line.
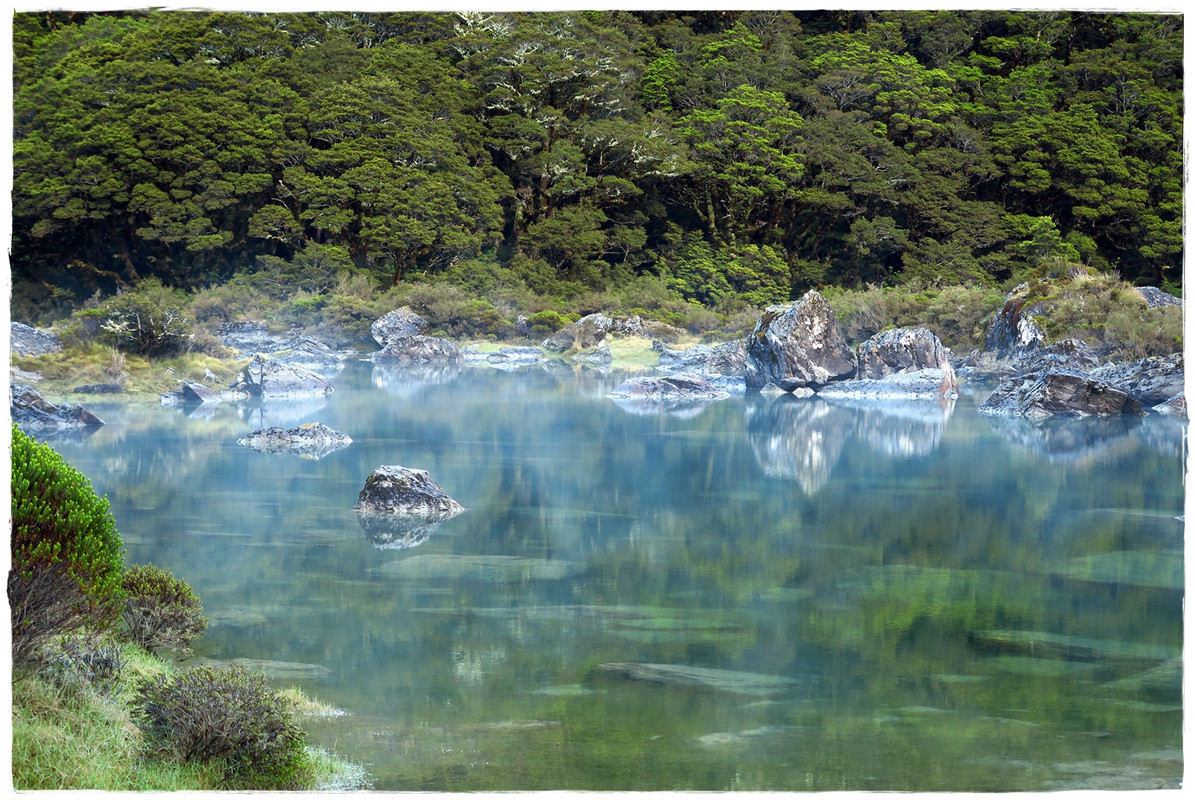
pixel 397 324
pixel 599 357
pixel 393 489
pixel 669 387
pixel 99 388
pixel 312 440
pixel 1150 381
pixel 1013 331
pixel 1067 354
pixel 248 336
pixel 1155 297
pixel 33 412
pixel 28 341
pixel 522 326
pixel 925 384
pixel 585 333
pixel 902 350
pixel 267 377
pixel 1058 393
pixel 1174 407
pixel 798 345
pixel 419 350
pixel 723 366
pixel 647 329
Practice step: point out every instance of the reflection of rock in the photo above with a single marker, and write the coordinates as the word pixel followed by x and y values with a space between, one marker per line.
pixel 269 378
pixel 723 680
pixel 798 440
pixel 394 489
pixel 1058 393
pixel 683 396
pixel 32 412
pixel 1065 440
pixel 405 380
pixel 282 412
pixel 798 344
pixel 901 428
pixel 397 531
pixel 397 324
pixel 507 359
pixel 313 440
pixel 419 350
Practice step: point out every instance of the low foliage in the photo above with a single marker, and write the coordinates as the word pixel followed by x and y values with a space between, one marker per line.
pixel 151 320
pixel 231 716
pixel 958 315
pixel 161 611
pixel 66 553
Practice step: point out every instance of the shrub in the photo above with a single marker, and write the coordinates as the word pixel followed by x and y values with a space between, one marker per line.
pixel 66 553
pixel 150 320
pixel 226 715
pixel 161 610
pixel 97 664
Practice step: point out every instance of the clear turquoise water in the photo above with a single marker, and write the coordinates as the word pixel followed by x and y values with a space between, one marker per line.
pixel 922 600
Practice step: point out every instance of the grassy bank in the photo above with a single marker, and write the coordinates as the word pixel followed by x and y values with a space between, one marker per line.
pixel 71 730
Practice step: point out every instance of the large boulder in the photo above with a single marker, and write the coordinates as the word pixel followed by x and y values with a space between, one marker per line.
pixel 26 341
pixel 798 345
pixel 1058 393
pixel 397 324
pixel 312 440
pixel 587 332
pixel 420 350
pixel 922 384
pixel 1150 381
pixel 268 377
pixel 893 355
pixel 723 366
pixel 398 490
pixel 1013 331
pixel 32 412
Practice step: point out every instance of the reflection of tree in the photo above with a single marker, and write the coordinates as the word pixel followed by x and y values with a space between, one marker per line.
pixel 797 439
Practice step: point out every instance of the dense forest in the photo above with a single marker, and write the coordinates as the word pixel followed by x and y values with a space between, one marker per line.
pixel 737 156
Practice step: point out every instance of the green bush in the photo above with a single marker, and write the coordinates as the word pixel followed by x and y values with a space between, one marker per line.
pixel 151 320
pixel 161 611
pixel 229 716
pixel 66 553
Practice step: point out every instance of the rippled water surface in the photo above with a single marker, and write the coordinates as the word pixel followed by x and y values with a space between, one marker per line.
pixel 762 594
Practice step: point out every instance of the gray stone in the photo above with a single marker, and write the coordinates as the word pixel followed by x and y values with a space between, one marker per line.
pixel 925 384
pixel 419 350
pixel 669 387
pixel 397 324
pixel 268 377
pixel 1150 381
pixel 32 412
pixel 1155 297
pixel 1013 331
pixel 312 440
pixel 585 333
pixel 1058 393
pixel 99 388
pixel 393 489
pixel 28 341
pixel 723 366
pixel 1174 407
pixel 798 344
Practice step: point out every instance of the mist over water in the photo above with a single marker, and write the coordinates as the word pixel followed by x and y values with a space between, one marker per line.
pixel 758 594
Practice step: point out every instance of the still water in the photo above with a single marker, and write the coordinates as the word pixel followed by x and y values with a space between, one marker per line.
pixel 762 594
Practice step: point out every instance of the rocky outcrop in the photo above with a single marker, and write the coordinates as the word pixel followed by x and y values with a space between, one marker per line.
pixel 1013 331
pixel 798 345
pixel 398 324
pixel 27 341
pixel 254 338
pixel 723 366
pixel 1150 381
pixel 32 412
pixel 925 384
pixel 394 489
pixel 419 350
pixel 670 387
pixel 1058 393
pixel 1174 407
pixel 907 363
pixel 268 377
pixel 312 440
pixel 599 357
pixel 99 388
pixel 1155 297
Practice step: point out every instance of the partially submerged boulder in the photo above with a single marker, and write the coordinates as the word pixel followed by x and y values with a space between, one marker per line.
pixel 394 489
pixel 312 440
pixel 397 324
pixel 723 366
pixel 1058 393
pixel 1150 381
pixel 902 362
pixel 268 377
pixel 798 345
pixel 419 350
pixel 32 412
pixel 668 387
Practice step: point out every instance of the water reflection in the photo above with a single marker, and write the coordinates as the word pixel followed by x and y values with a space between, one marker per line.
pixel 399 531
pixel 1068 439
pixel 406 381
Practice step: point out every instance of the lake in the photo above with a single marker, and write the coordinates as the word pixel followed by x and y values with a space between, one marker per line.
pixel 761 594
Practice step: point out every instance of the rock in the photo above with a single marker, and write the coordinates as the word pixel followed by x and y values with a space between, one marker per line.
pixel 248 336
pixel 647 329
pixel 723 366
pixel 27 341
pixel 1058 393
pixel 522 326
pixel 1149 381
pixel 902 362
pixel 1174 407
pixel 512 358
pixel 1013 331
pixel 393 489
pixel 797 345
pixel 670 387
pixel 583 334
pixel 926 384
pixel 32 412
pixel 1066 354
pixel 99 388
pixel 725 680
pixel 198 393
pixel 419 350
pixel 267 377
pixel 398 324
pixel 599 357
pixel 312 440
pixel 1155 297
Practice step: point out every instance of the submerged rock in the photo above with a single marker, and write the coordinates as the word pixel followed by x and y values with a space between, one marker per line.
pixel 798 345
pixel 313 440
pixel 1058 393
pixel 723 680
pixel 32 412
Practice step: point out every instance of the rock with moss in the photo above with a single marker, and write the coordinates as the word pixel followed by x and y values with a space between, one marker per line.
pixel 798 345
pixel 1059 393
pixel 586 333
pixel 392 489
pixel 419 351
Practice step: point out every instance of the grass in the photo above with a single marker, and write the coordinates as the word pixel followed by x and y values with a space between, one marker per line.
pixel 69 734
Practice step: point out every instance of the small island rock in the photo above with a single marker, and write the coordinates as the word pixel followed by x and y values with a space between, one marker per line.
pixel 394 489
pixel 312 440
pixel 798 345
